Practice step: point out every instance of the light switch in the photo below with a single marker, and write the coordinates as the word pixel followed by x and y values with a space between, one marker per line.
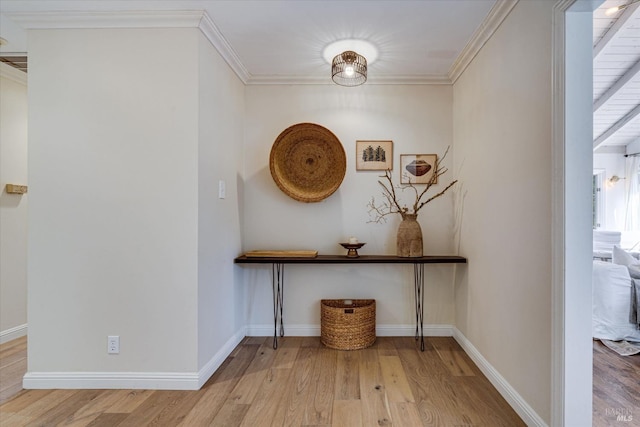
pixel 222 190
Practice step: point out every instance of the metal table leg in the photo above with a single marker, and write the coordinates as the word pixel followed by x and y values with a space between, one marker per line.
pixel 418 280
pixel 277 282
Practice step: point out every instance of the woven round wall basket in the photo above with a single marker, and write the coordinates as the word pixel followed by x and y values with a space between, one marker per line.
pixel 348 324
pixel 307 162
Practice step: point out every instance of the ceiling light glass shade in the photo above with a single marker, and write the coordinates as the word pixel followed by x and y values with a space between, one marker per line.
pixel 349 69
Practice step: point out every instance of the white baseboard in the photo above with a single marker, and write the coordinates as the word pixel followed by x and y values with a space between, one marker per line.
pixel 13 333
pixel 132 380
pixel 526 412
pixel 381 330
pixel 212 365
pixel 111 380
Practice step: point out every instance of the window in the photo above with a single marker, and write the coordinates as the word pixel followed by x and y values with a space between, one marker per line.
pixel 597 213
pixel 632 214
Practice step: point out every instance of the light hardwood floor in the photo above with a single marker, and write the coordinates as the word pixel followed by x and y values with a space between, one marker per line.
pixel 305 384
pixel 13 365
pixel 301 384
pixel 616 388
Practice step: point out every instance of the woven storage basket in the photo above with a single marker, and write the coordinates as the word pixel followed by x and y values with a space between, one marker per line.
pixel 348 326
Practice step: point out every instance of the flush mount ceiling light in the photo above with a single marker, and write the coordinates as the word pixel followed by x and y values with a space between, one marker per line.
pixel 349 69
pixel 349 60
pixel 614 9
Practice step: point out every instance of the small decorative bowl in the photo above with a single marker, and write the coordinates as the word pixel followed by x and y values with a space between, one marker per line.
pixel 352 249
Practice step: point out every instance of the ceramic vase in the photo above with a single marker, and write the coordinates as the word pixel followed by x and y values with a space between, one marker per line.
pixel 409 236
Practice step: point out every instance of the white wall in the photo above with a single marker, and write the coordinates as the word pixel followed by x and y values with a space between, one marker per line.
pixel 13 207
pixel 418 120
pixel 502 142
pixel 614 194
pixel 221 120
pixel 113 218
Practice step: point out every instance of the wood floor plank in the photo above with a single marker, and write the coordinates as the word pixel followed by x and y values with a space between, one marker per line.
pixel 395 379
pixel 10 392
pixel 453 356
pixel 217 390
pixel 427 375
pixel 375 407
pixel 12 374
pixel 265 405
pixel 230 415
pixel 40 407
pixel 10 346
pixel 347 413
pixel 319 408
pixel 287 352
pixel 386 346
pixel 22 400
pixel 129 401
pixel 347 375
pixel 108 420
pixel 311 342
pixel 152 406
pixel 483 404
pixel 249 384
pixel 292 407
pixel 92 410
pixel 177 409
pixel 13 353
pixel 256 340
pixel 405 414
pixel 73 403
pixel 455 403
pixel 615 387
pixel 14 420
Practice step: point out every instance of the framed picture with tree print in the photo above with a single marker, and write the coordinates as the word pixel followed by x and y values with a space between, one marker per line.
pixel 417 168
pixel 374 155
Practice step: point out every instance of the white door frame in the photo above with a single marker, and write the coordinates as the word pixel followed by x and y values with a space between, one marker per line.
pixel 572 165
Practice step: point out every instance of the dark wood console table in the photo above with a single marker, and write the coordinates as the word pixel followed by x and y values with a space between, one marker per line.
pixel 277 279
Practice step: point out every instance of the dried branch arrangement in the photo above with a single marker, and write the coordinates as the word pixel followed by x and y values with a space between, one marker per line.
pixel 391 204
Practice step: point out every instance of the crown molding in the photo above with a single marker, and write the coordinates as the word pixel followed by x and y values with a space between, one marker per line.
pixel 417 79
pixel 215 37
pixel 111 19
pixel 492 22
pixel 13 74
pixel 314 80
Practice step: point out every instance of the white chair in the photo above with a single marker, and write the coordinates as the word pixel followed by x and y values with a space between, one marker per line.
pixel 603 243
pixel 612 302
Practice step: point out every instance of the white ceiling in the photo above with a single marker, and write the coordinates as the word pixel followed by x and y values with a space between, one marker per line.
pixel 616 76
pixel 418 41
pixel 415 39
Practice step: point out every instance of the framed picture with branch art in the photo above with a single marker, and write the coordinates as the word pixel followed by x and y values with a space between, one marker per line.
pixel 418 168
pixel 374 155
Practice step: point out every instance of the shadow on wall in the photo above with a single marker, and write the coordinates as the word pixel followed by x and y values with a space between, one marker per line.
pixel 277 221
pixel 10 200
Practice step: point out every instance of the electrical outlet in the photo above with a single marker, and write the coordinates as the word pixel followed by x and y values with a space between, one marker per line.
pixel 113 344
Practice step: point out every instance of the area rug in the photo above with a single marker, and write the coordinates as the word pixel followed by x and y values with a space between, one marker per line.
pixel 623 348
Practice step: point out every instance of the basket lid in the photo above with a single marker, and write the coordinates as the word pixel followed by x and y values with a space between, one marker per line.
pixel 307 162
